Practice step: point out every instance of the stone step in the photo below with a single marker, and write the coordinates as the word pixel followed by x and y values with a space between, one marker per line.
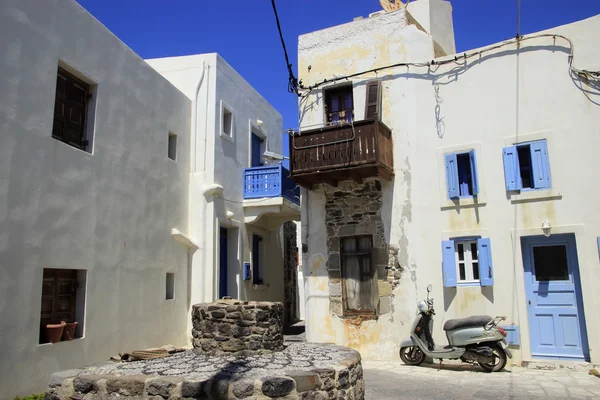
pixel 579 366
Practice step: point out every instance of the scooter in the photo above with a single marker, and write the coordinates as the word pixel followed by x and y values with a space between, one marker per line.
pixel 476 339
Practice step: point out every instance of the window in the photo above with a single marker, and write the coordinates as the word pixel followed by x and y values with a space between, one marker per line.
pixel 373 103
pixel 467 261
pixel 63 304
pixel 461 174
pixel 172 148
pixel 226 121
pixel 339 105
pixel 526 166
pixel 70 110
pixel 256 259
pixel 170 286
pixel 359 287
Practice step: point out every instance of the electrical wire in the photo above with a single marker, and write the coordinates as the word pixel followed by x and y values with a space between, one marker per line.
pixel 292 80
pixel 582 73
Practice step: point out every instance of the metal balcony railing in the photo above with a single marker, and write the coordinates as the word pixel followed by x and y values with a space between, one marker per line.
pixel 271 181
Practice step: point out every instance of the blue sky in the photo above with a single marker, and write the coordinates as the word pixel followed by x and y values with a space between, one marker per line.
pixel 244 33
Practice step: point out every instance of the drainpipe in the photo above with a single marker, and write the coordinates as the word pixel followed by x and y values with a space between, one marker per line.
pixel 195 115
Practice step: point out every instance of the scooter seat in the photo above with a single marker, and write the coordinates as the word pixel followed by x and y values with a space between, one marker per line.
pixel 475 320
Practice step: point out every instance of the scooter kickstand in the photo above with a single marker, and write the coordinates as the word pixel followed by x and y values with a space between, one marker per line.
pixel 440 365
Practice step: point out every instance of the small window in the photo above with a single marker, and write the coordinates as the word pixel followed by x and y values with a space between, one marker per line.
pixel 170 286
pixel 467 262
pixel 461 174
pixel 526 166
pixel 71 110
pixel 360 288
pixel 339 105
pixel 172 149
pixel 63 305
pixel 226 121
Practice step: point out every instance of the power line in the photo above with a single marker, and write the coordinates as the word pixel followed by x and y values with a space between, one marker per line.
pixel 518 19
pixel 292 81
pixel 582 73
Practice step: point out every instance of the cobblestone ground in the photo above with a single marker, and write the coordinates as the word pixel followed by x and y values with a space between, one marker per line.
pixel 394 380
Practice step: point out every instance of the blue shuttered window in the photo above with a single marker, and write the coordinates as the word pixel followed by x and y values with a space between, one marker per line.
pixel 527 166
pixel 467 262
pixel 461 174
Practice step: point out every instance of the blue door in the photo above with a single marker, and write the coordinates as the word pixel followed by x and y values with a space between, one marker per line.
pixel 554 303
pixel 256 160
pixel 222 262
pixel 256 257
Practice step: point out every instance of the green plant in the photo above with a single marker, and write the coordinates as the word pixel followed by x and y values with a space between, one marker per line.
pixel 32 397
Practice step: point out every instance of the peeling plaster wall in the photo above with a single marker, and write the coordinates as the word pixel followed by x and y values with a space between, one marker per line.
pixel 109 212
pixel 484 105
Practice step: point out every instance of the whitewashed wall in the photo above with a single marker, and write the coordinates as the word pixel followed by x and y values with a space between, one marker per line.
pixel 224 166
pixel 109 212
pixel 483 105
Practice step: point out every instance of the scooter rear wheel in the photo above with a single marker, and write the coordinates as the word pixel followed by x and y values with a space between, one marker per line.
pixel 411 355
pixel 499 359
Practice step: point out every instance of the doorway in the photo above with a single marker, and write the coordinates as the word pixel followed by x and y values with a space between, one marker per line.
pixel 557 326
pixel 223 239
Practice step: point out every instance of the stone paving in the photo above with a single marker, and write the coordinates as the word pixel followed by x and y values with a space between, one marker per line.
pixel 395 380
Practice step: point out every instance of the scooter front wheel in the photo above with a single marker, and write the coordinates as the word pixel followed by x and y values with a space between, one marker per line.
pixel 411 355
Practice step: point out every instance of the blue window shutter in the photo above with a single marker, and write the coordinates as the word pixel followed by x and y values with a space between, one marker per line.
pixel 452 176
pixel 511 168
pixel 474 178
pixel 448 263
pixel 540 164
pixel 486 269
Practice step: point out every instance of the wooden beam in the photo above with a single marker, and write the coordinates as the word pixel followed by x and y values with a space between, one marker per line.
pixel 326 179
pixel 355 177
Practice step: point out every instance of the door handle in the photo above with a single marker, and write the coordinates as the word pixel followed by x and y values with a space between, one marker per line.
pixel 529 302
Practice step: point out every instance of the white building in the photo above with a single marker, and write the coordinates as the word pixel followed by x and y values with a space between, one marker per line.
pixel 115 185
pixel 450 175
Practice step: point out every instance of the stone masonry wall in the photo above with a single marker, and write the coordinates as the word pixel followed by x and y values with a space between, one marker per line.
pixel 355 209
pixel 230 326
pixel 290 273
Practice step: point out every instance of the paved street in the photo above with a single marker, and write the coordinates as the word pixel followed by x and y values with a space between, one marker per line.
pixel 394 380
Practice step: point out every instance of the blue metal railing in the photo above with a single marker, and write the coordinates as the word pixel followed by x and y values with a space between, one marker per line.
pixel 272 181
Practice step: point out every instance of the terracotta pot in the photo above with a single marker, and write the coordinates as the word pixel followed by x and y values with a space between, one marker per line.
pixel 54 332
pixel 69 332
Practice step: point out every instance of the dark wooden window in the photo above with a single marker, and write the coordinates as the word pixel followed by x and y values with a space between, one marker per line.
pixel 58 297
pixel 70 110
pixel 359 278
pixel 339 105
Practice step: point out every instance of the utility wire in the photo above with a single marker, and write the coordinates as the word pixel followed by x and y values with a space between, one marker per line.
pixel 582 73
pixel 292 81
pixel 518 19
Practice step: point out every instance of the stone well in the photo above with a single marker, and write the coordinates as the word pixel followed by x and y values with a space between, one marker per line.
pixel 238 354
pixel 229 326
pixel 301 371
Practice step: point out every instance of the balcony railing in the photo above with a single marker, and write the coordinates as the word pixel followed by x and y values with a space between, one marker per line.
pixel 330 154
pixel 272 181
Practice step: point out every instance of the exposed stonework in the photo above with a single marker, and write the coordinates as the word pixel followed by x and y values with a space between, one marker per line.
pixel 301 371
pixel 355 209
pixel 230 326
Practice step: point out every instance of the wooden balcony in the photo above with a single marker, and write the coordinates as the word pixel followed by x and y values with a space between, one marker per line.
pixel 331 154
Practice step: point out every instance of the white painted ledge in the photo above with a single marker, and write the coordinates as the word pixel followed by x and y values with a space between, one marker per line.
pixel 550 194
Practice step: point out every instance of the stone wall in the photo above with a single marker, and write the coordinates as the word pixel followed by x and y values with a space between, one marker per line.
pixel 230 326
pixel 354 209
pixel 290 273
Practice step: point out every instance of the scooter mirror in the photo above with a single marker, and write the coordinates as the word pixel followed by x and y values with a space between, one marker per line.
pixel 429 287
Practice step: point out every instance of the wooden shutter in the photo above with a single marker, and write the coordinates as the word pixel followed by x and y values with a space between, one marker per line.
pixel 70 110
pixel 474 178
pixel 511 168
pixel 540 165
pixel 448 263
pixel 452 176
pixel 486 270
pixel 372 107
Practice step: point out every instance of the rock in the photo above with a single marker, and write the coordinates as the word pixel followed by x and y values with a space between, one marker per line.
pixel 161 387
pixel 126 385
pixel 305 380
pixel 243 388
pixel 277 387
pixel 86 384
pixel 218 314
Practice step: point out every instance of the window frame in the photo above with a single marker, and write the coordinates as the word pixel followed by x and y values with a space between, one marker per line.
pixel 338 92
pixel 513 170
pixel 172 146
pixel 85 131
pixel 230 136
pixel 453 183
pixel 451 267
pixel 468 256
pixel 363 255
